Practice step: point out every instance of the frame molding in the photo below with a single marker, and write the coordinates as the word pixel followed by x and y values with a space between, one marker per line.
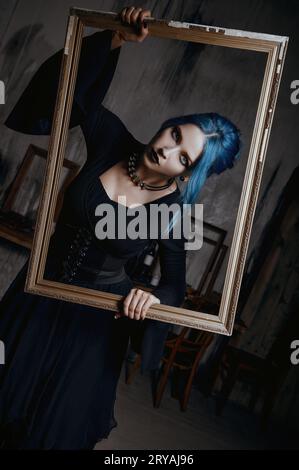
pixel 275 47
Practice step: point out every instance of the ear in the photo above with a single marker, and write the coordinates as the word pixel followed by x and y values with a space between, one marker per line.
pixel 184 178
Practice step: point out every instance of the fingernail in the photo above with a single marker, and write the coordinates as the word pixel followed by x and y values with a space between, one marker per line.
pixel 145 24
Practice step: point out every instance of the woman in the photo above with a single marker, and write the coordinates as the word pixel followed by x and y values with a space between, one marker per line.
pixel 63 360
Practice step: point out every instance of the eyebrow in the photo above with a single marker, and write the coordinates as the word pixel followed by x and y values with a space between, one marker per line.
pixel 181 136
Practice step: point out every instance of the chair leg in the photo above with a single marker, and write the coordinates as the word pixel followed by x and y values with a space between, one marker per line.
pixel 188 387
pixel 269 400
pixel 163 381
pixel 161 385
pixel 227 387
pixel 166 369
pixel 254 397
pixel 175 378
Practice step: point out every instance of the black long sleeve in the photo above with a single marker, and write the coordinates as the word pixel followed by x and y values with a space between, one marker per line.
pixel 34 111
pixel 172 287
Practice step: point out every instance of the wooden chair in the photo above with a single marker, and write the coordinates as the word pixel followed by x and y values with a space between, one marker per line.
pixel 265 375
pixel 182 354
pixel 19 228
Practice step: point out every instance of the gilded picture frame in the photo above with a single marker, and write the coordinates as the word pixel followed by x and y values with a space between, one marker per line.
pixel 275 49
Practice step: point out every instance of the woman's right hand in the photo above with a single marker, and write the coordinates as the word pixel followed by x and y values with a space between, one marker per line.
pixel 136 17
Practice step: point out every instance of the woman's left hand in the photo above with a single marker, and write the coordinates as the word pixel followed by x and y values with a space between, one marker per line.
pixel 137 303
pixel 136 18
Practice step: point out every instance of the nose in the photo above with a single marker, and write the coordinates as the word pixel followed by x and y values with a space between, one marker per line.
pixel 168 151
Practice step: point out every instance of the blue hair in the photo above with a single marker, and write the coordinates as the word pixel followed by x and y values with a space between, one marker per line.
pixel 221 150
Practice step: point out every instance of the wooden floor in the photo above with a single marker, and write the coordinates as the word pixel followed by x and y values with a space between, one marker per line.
pixel 140 426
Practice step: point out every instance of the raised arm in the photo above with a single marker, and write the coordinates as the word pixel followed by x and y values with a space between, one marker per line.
pixel 34 111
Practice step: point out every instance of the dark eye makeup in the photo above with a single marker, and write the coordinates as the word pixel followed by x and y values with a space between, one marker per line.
pixel 178 137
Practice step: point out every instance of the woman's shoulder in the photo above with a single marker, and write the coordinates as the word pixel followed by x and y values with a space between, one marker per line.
pixel 107 135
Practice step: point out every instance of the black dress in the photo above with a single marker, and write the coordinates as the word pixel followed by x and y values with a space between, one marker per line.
pixel 63 360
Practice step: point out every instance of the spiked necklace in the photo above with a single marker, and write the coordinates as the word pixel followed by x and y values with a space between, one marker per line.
pixel 138 181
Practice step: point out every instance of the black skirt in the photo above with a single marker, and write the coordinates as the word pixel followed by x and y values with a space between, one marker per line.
pixel 62 365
